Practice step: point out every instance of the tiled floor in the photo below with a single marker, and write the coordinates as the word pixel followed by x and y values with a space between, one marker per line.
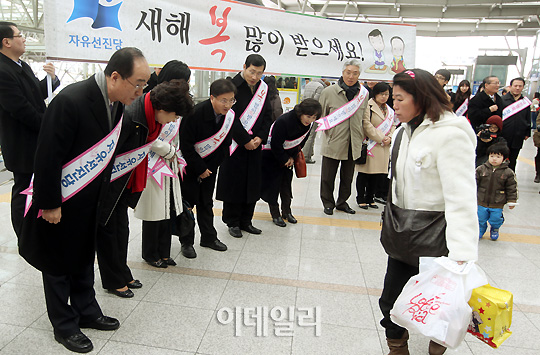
pixel 334 262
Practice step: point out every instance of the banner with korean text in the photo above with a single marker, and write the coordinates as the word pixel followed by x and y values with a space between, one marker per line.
pixel 219 34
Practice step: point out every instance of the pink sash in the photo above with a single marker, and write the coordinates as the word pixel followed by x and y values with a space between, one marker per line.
pixel 157 167
pixel 344 112
pixel 516 107
pixel 209 145
pixel 82 170
pixel 286 144
pixel 384 127
pixel 463 108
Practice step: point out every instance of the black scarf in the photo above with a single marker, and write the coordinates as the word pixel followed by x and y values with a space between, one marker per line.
pixel 415 122
pixel 350 91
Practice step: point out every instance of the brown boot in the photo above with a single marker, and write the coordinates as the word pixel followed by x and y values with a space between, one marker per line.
pixel 436 349
pixel 399 346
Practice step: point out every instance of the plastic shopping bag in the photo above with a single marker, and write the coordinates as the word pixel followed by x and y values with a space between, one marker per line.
pixel 434 302
pixel 492 315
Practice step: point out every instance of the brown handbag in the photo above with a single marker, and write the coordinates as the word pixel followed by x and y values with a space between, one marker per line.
pixel 300 167
pixel 536 139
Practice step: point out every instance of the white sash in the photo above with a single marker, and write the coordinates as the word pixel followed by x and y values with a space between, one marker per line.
pixel 252 112
pixel 344 112
pixel 82 170
pixel 210 144
pixel 128 161
pixel 463 108
pixel 157 167
pixel 286 144
pixel 516 107
pixel 384 127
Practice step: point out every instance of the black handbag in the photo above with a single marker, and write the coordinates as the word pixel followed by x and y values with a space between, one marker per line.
pixel 408 234
pixel 184 224
pixel 363 157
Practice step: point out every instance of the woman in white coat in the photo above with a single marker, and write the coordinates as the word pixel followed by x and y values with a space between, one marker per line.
pixel 434 173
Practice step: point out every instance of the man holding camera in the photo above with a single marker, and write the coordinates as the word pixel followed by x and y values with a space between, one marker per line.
pixel 485 103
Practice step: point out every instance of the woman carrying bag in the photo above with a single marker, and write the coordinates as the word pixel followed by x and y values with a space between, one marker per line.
pixel 288 135
pixel 378 124
pixel 433 185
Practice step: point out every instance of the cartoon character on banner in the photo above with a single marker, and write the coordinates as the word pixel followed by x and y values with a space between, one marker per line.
pixel 377 42
pixel 398 48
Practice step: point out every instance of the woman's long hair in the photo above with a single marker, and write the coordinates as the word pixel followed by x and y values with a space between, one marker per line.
pixel 428 94
pixel 460 96
pixel 272 88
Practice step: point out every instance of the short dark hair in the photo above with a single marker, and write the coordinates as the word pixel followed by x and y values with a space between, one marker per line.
pixel 397 37
pixel 487 79
pixel 256 60
pixel 445 73
pixel 380 88
pixel 499 148
pixel 519 79
pixel 122 62
pixel 222 86
pixel 428 94
pixel 172 96
pixel 6 31
pixel 308 107
pixel 537 95
pixel 376 32
pixel 174 69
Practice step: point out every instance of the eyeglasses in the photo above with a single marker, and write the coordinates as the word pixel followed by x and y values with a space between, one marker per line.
pixel 19 35
pixel 138 86
pixel 440 77
pixel 230 102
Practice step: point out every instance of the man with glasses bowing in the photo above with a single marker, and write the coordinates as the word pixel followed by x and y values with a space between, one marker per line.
pixel 205 138
pixel 72 169
pixel 485 103
pixel 239 180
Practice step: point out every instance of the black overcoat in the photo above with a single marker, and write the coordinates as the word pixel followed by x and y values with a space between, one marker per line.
pixel 22 107
pixel 75 120
pixel 239 179
pixel 287 127
pixel 479 108
pixel 517 126
pixel 200 125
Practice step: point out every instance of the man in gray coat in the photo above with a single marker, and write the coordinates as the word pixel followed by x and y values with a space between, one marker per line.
pixel 343 107
pixel 313 90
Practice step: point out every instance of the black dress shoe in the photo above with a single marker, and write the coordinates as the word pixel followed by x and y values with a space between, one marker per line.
pixel 188 251
pixel 374 206
pixel 252 230
pixel 380 200
pixel 329 211
pixel 290 218
pixel 235 232
pixel 169 261
pixel 102 323
pixel 134 284
pixel 160 264
pixel 279 222
pixel 363 206
pixel 346 209
pixel 77 342
pixel 124 294
pixel 216 245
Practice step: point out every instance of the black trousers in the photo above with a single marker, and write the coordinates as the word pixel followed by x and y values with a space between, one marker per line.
pixel 21 181
pixel 78 289
pixel 112 248
pixel 537 161
pixel 156 240
pixel 366 186
pixel 238 214
pixel 285 194
pixel 514 153
pixel 397 275
pixel 328 177
pixel 205 213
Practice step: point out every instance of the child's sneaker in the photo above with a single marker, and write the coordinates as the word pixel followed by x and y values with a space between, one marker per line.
pixel 494 233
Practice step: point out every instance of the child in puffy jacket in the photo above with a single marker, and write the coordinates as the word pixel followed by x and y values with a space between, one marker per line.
pixel 496 186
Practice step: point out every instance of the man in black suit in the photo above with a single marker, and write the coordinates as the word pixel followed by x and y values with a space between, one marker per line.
pixel 61 244
pixel 210 124
pixel 21 111
pixel 239 180
pixel 485 103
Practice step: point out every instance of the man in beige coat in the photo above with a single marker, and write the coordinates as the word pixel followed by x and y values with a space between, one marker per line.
pixel 342 142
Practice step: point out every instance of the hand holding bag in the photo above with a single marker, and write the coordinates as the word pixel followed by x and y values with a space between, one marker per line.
pixel 300 167
pixel 184 224
pixel 434 302
pixel 363 156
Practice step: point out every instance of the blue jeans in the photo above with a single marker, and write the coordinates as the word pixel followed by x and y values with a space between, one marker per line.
pixel 492 215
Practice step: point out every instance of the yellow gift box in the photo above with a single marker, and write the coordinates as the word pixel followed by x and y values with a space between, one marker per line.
pixel 492 314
